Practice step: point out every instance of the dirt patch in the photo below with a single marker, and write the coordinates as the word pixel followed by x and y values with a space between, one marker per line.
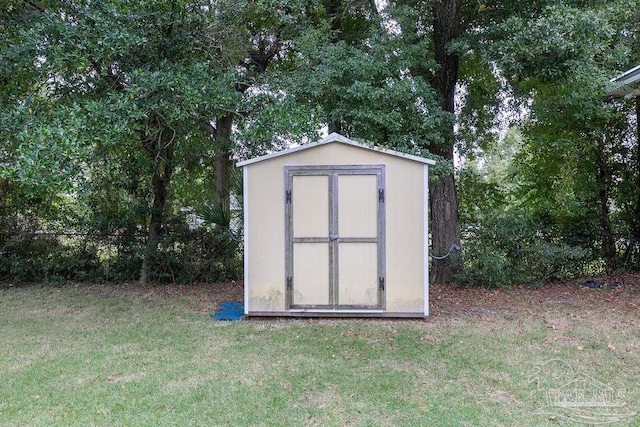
pixel 201 297
pixel 623 293
pixel 620 293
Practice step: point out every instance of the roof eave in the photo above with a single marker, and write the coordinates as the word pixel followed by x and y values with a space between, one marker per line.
pixel 625 87
pixel 336 137
pixel 628 77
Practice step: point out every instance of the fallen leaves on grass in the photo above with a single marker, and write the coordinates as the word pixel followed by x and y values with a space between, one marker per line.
pixel 453 301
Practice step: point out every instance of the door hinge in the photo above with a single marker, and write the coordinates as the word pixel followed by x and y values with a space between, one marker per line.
pixel 289 283
pixel 287 196
pixel 381 195
pixel 381 283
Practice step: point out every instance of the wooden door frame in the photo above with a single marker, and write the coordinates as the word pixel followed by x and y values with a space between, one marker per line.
pixel 333 172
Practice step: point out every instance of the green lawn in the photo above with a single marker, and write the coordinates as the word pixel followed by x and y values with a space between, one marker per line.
pixel 85 355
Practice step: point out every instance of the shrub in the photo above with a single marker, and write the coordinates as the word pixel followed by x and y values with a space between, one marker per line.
pixel 509 249
pixel 200 255
pixel 29 257
pixel 207 254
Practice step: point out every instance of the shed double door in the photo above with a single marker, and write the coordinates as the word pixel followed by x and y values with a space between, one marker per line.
pixel 335 228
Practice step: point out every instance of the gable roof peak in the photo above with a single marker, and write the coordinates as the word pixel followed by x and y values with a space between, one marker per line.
pixel 335 137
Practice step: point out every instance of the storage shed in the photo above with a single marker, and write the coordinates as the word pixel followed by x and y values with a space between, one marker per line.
pixel 336 228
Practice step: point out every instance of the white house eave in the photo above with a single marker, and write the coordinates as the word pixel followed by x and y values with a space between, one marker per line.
pixel 336 137
pixel 625 84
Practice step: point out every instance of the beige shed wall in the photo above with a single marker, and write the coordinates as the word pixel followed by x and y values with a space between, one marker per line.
pixel 405 204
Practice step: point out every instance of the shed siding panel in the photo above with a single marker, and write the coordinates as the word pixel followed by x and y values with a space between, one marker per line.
pixel 266 238
pixel 404 199
pixel 405 244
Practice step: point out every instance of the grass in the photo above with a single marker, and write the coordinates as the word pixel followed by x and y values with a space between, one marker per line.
pixel 82 355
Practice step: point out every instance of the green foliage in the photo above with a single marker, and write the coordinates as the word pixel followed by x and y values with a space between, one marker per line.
pixel 276 120
pixel 484 93
pixel 28 257
pixel 511 248
pixel 576 154
pixel 478 196
pixel 100 98
pixel 184 256
pixel 360 78
pixel 505 240
pixel 199 255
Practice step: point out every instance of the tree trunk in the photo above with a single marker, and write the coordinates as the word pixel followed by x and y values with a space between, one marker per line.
pixel 636 225
pixel 335 11
pixel 608 245
pixel 4 194
pixel 162 154
pixel 634 222
pixel 444 200
pixel 445 229
pixel 222 160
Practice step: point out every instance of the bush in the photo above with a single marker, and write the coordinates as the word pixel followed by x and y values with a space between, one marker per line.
pixel 184 256
pixel 510 249
pixel 200 255
pixel 29 257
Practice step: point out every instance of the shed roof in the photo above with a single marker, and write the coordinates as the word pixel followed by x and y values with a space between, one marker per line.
pixel 337 138
pixel 626 84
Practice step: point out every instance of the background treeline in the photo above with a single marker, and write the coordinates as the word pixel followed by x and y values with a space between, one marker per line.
pixel 121 121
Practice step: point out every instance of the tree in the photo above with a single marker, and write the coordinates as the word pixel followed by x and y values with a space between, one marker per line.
pixel 133 78
pixel 38 159
pixel 371 84
pixel 262 26
pixel 575 155
pixel 132 96
pixel 354 69
pixel 455 25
